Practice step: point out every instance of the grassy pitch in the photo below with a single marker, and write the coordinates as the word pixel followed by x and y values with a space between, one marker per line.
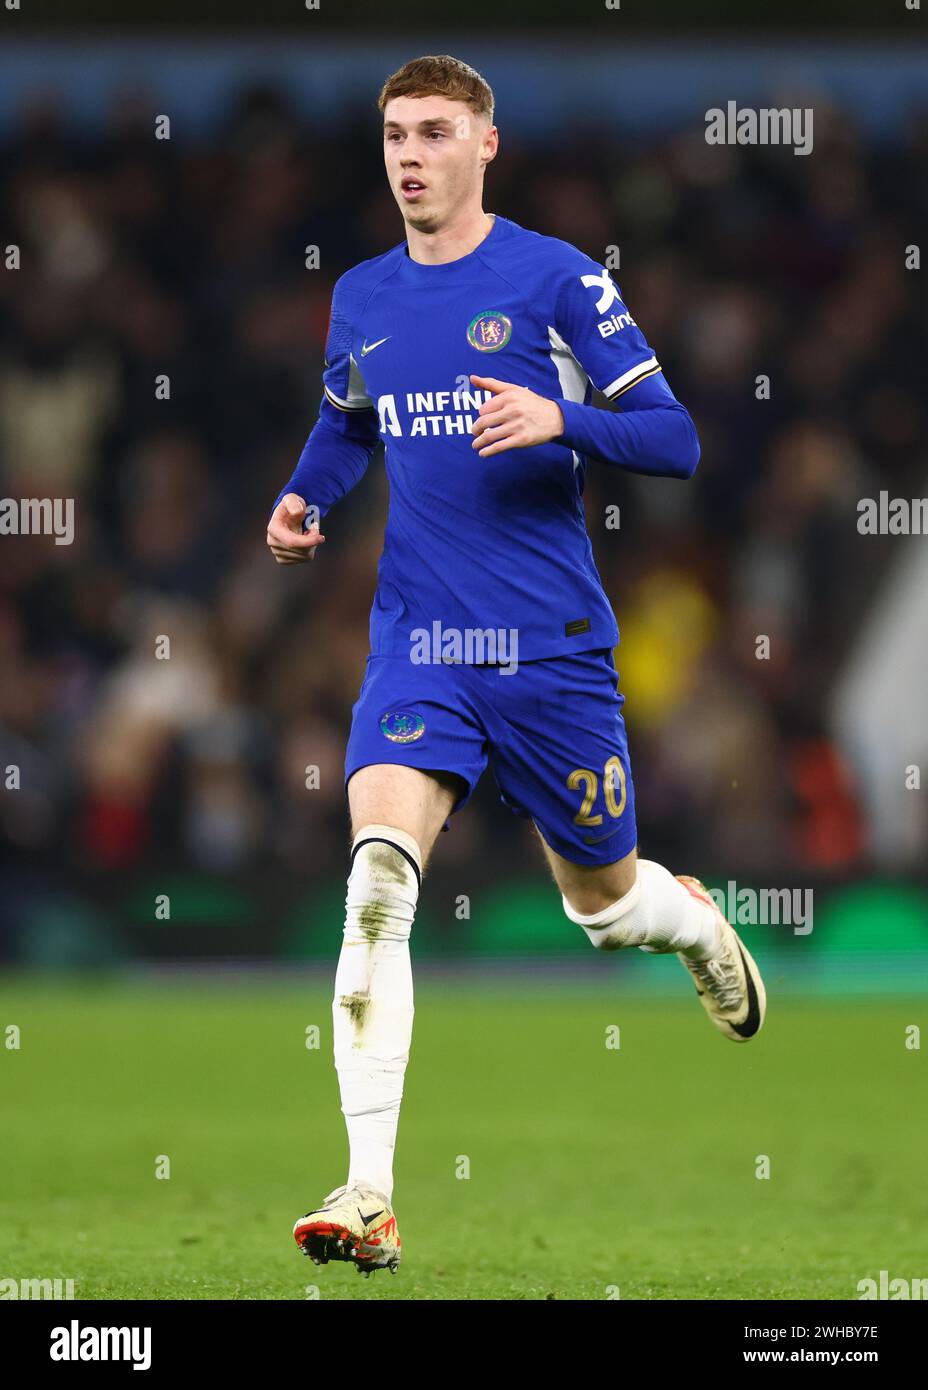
pixel 534 1161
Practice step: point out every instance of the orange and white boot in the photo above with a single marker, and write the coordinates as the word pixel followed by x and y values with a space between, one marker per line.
pixel 354 1223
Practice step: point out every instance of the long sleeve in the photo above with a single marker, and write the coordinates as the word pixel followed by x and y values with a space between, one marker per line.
pixel 335 456
pixel 342 442
pixel 596 340
pixel 653 433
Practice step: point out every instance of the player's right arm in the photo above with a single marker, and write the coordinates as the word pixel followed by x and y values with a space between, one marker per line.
pixel 338 450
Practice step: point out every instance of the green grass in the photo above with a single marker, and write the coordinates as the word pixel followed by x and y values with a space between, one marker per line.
pixel 589 1168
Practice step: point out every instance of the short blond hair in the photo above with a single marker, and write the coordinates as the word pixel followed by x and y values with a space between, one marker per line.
pixel 441 76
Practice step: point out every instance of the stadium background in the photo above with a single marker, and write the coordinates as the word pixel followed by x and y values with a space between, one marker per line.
pixel 187 777
pixel 186 1037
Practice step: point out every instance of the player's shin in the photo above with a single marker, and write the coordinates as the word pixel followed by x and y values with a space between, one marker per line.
pixel 373 1006
pixel 657 914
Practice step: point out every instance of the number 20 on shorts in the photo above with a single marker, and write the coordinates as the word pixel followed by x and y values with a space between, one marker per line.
pixel 585 778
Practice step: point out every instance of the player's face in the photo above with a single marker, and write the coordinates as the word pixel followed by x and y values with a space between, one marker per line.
pixel 435 151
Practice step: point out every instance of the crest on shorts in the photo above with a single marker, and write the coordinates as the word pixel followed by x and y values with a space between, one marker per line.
pixel 489 331
pixel 402 726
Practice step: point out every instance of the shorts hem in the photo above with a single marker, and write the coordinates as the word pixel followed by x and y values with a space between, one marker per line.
pixel 591 856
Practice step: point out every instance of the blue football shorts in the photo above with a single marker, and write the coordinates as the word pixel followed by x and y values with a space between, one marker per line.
pixel 552 731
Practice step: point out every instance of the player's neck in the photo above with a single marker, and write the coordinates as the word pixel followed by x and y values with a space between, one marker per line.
pixel 450 242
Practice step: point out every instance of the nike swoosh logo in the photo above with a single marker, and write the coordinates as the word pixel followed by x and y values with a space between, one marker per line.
pixel 749 1027
pixel 369 347
pixel 368 1219
pixel 598 839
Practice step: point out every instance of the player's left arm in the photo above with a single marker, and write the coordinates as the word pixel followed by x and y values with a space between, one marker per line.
pixel 651 432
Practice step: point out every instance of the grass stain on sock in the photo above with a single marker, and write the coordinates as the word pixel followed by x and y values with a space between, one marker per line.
pixel 371 919
pixel 358 1007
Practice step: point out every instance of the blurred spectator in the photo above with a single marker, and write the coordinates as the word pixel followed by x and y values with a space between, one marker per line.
pixel 189 263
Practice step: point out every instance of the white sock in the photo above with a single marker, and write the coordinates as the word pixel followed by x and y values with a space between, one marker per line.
pixel 372 1011
pixel 657 914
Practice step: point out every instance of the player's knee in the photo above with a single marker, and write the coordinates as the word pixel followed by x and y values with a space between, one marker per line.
pixel 383 886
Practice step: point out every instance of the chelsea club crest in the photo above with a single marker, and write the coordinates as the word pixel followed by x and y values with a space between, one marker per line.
pixel 402 726
pixel 489 331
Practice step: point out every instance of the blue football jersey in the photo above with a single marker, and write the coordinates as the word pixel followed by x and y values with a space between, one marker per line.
pixel 474 543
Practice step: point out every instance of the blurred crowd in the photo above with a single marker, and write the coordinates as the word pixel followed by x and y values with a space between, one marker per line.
pixel 145 259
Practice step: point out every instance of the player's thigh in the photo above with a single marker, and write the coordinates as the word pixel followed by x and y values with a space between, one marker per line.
pixel 560 756
pixel 409 798
pixel 591 888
